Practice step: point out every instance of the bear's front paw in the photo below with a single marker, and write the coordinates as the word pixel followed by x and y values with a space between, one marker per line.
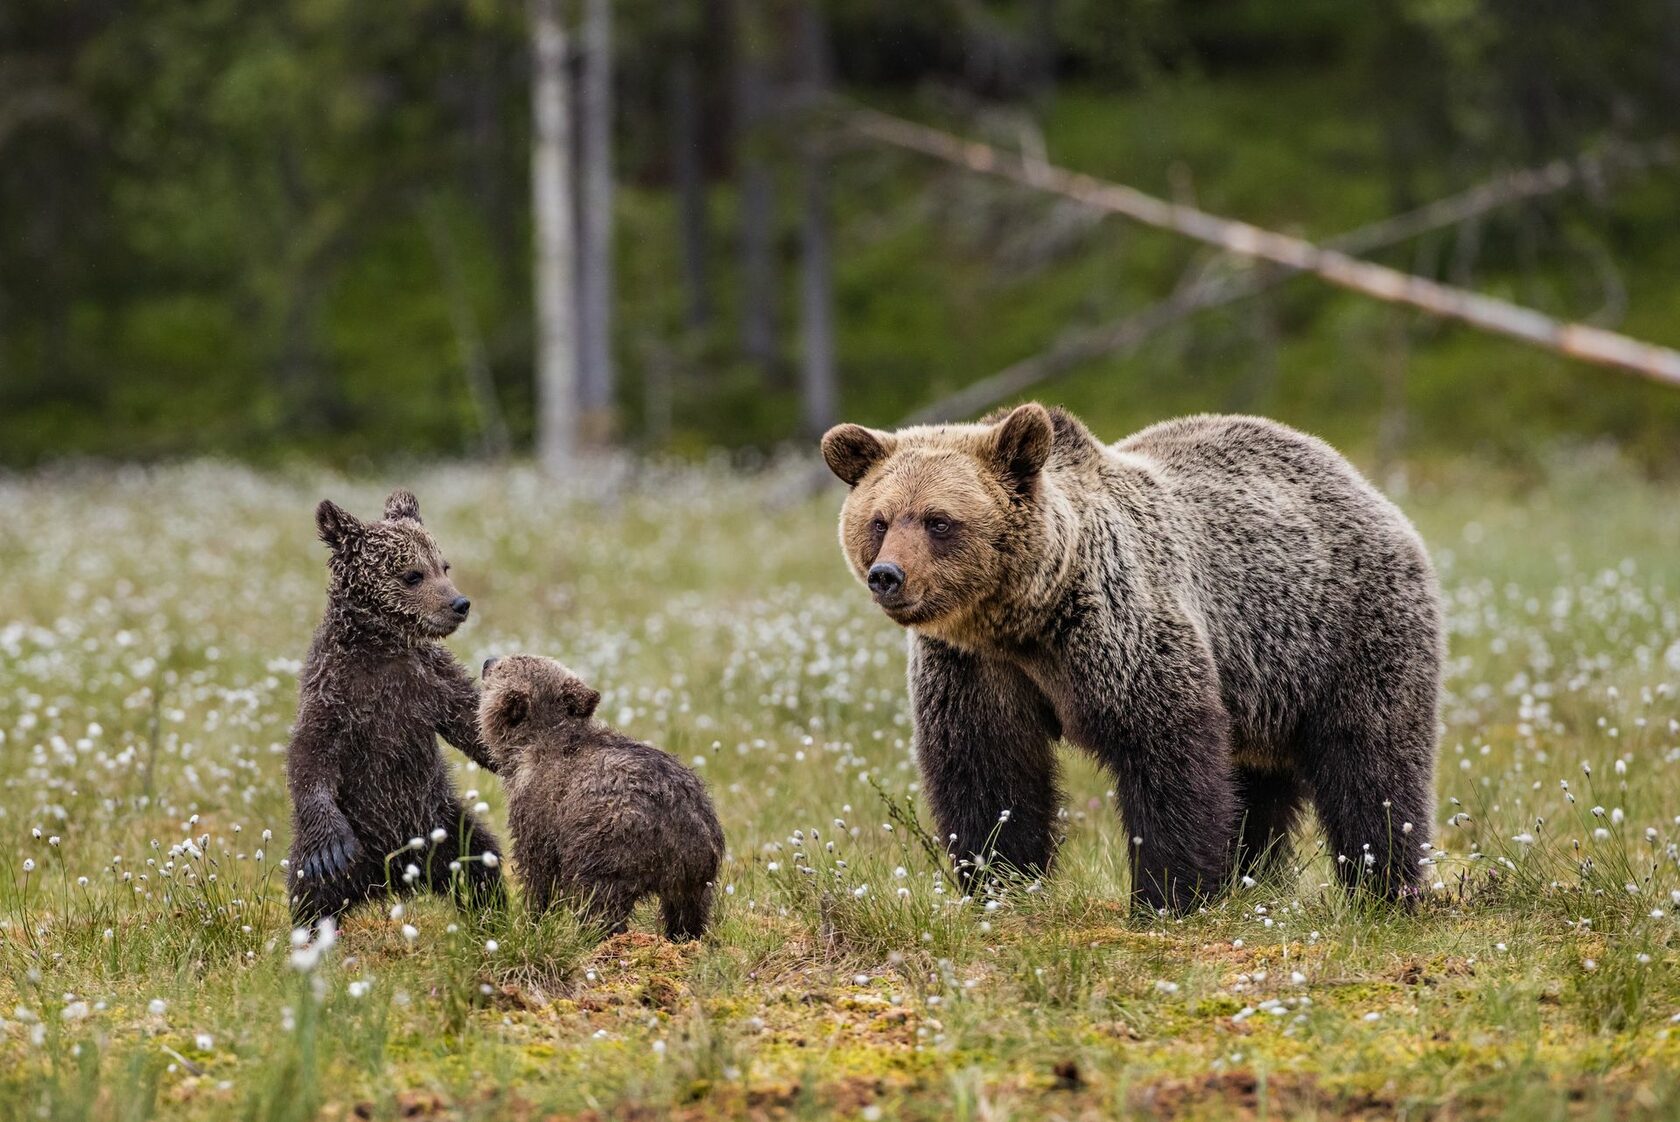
pixel 331 858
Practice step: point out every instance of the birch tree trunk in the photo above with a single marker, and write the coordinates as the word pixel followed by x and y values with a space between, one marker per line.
pixel 817 372
pixel 552 214
pixel 595 261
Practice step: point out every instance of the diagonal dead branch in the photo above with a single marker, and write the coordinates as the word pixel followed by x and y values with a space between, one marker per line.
pixel 1336 265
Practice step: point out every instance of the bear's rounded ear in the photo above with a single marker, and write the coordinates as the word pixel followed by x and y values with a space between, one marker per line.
pixel 1021 443
pixel 402 504
pixel 508 708
pixel 851 450
pixel 580 699
pixel 335 525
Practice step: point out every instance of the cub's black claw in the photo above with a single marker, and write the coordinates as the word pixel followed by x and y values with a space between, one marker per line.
pixel 332 860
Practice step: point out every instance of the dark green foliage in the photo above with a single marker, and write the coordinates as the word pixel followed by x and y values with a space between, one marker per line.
pixel 211 234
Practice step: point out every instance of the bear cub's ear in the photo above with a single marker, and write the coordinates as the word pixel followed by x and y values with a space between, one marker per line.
pixel 851 450
pixel 335 525
pixel 509 708
pixel 1021 444
pixel 402 504
pixel 579 699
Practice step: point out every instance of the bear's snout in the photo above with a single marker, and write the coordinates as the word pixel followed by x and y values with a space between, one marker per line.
pixel 460 606
pixel 485 669
pixel 886 581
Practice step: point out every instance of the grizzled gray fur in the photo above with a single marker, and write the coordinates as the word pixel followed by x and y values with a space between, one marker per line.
pixel 596 817
pixel 377 690
pixel 1220 609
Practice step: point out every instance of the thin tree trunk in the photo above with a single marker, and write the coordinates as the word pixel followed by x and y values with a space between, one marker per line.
pixel 687 160
pixel 595 261
pixel 552 212
pixel 757 201
pixel 817 373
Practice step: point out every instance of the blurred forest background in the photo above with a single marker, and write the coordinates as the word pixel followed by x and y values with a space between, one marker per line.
pixel 306 228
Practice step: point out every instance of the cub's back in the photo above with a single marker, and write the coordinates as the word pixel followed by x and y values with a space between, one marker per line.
pixel 615 788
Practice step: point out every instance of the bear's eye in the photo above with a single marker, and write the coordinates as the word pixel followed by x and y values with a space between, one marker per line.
pixel 939 527
pixel 413 577
pixel 878 527
pixel 446 568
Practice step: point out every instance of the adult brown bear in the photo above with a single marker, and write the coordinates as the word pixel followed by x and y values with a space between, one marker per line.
pixel 1220 609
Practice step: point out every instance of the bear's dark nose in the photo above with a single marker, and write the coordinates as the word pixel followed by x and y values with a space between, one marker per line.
pixel 460 605
pixel 886 580
pixel 488 663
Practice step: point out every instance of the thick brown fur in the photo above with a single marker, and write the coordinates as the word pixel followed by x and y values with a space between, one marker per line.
pixel 596 817
pixel 377 689
pixel 1220 609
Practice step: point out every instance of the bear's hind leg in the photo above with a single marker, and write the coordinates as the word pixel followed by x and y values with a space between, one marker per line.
pixel 687 913
pixel 539 894
pixel 608 906
pixel 1271 801
pixel 1371 771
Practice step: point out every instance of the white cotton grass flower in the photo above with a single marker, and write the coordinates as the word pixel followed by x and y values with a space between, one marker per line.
pixel 439 835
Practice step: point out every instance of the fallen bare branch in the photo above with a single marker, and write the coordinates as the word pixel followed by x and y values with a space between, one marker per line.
pixel 1590 344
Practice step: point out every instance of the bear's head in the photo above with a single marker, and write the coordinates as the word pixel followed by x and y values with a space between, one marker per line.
pixel 388 575
pixel 526 696
pixel 938 514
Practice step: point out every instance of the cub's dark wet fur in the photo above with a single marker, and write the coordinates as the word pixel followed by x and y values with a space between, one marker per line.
pixel 377 689
pixel 1220 609
pixel 596 817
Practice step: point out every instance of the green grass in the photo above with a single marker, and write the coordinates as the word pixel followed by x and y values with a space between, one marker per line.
pixel 147 676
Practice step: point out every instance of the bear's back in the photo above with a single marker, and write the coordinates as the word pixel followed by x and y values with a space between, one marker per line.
pixel 614 799
pixel 1293 559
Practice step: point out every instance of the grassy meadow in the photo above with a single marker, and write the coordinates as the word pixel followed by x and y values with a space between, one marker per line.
pixel 148 657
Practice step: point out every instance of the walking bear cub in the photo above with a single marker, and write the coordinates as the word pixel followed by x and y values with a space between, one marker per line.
pixel 377 689
pixel 1220 609
pixel 596 817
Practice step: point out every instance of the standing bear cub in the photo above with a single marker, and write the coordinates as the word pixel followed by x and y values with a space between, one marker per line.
pixel 1220 609
pixel 363 767
pixel 596 817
